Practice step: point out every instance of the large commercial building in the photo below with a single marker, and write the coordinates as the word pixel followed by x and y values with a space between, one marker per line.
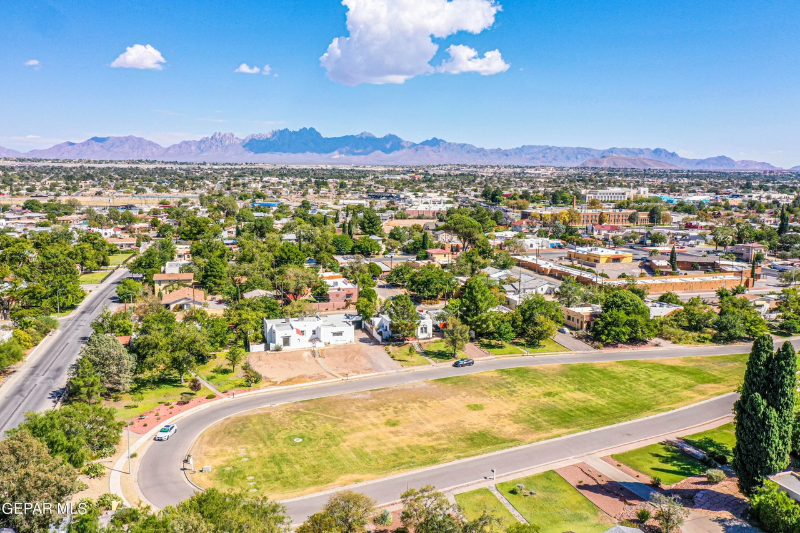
pixel 599 255
pixel 615 194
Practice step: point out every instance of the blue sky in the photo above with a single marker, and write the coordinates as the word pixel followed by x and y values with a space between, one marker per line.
pixel 701 78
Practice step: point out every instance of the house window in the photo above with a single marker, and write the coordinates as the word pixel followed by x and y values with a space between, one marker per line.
pixel 348 296
pixel 337 334
pixel 286 341
pixel 423 330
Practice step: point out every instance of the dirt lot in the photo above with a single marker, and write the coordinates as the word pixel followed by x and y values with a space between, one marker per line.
pixel 363 357
pixel 288 368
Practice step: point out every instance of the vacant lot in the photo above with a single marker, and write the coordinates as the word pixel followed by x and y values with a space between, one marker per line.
pixel 94 277
pixel 475 502
pixel 362 436
pixel 557 505
pixel 362 357
pixel 662 460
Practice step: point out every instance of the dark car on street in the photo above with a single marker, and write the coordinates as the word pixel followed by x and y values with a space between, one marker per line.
pixel 464 362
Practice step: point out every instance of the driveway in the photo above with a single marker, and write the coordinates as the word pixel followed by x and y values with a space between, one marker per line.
pixel 571 343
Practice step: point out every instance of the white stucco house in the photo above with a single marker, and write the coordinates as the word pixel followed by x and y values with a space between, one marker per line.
pixel 304 333
pixel 380 327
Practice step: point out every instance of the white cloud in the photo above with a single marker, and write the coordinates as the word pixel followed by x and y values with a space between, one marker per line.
pixel 465 59
pixel 33 63
pixel 391 41
pixel 140 56
pixel 244 68
pixel 266 70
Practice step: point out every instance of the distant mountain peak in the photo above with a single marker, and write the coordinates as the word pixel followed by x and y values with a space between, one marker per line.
pixel 308 146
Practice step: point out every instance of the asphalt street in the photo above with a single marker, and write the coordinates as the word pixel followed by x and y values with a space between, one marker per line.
pixel 162 482
pixel 38 383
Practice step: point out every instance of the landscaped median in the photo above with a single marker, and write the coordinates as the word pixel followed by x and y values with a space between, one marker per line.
pixel 304 447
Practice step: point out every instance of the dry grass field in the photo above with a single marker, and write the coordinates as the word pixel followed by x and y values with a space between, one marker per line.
pixel 303 447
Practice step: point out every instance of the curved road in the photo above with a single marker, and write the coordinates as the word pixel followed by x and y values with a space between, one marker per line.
pixel 38 383
pixel 162 482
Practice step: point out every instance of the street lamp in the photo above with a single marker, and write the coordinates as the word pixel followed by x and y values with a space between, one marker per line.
pixel 58 301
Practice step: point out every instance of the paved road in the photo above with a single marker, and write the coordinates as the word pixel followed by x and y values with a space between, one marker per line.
pixel 163 483
pixel 37 384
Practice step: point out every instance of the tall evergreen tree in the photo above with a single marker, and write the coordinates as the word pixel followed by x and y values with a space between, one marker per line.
pixel 673 259
pixel 783 227
pixel 764 414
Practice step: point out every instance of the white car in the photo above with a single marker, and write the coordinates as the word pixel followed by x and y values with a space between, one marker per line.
pixel 166 432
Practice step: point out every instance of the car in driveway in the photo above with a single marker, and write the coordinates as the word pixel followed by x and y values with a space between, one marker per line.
pixel 166 432
pixel 564 330
pixel 463 362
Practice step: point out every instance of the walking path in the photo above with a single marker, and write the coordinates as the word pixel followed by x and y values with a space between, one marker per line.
pixel 507 504
pixel 208 385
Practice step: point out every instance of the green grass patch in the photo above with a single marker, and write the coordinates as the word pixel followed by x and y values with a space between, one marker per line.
pixel 500 347
pixel 154 392
pixel 217 371
pixel 119 259
pixel 362 436
pixel 546 346
pixel 662 460
pixel 557 506
pixel 93 278
pixel 439 351
pixel 720 440
pixel 406 355
pixel 475 502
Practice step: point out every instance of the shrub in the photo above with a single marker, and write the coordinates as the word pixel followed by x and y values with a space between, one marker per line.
pixel 106 500
pixel 93 470
pixel 715 475
pixel 384 518
pixel 656 481
pixel 643 515
pixel 774 510
pixel 195 385
pixel 718 457
pixel 210 396
pixel 186 397
pixel 134 454
pixel 23 339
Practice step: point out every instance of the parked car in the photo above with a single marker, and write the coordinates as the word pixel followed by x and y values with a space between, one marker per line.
pixel 562 329
pixel 166 432
pixel 464 362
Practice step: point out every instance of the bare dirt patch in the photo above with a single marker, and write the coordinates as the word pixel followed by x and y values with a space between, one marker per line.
pixel 362 357
pixel 287 368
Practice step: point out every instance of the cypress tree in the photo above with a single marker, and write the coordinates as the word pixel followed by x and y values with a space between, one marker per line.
pixel 673 259
pixel 426 240
pixel 764 414
pixel 783 227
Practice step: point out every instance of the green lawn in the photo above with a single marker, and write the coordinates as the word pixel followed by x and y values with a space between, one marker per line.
pixel 662 460
pixel 500 348
pixel 407 356
pixel 93 278
pixel 118 259
pixel 167 389
pixel 439 351
pixel 720 440
pixel 546 346
pixel 557 506
pixel 475 502
pixel 357 437
pixel 218 372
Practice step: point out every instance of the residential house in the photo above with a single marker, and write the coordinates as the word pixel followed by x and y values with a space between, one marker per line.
pixel 380 327
pixel 183 298
pixel 308 332
pixel 441 256
pixel 747 252
pixel 123 243
pixel 581 318
pixel 162 280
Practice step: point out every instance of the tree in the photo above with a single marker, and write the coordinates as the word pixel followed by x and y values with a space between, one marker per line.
pixel 128 290
pixel 655 214
pixel 431 281
pixel 421 505
pixel 670 298
pixel 77 432
pixel 366 246
pixel 85 384
pixel 112 362
pixel 189 347
pixel 673 259
pixel 370 223
pixel 537 319
pixel 232 511
pixel 570 292
pixel 467 229
pixel 28 473
pixel 783 226
pixel 365 308
pixel 235 356
pixel 669 511
pixel 349 511
pixel 456 335
pixel 400 274
pixel 538 329
pixel 633 218
pixel 602 219
pixel 403 315
pixel 764 414
pixel 594 203
pixel 658 238
pixel 476 299
pixel 10 352
pixel 503 260
pixel 342 243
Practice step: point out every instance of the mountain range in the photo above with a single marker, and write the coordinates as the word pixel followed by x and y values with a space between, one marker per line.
pixel 308 146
